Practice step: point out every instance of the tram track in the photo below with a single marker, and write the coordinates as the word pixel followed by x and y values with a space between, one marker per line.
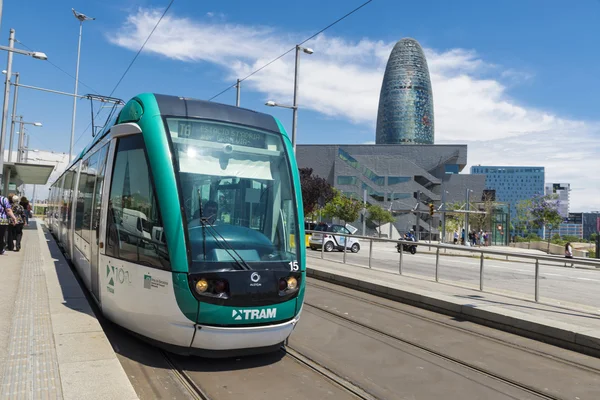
pixel 432 352
pixel 327 373
pixel 193 389
pixel 359 297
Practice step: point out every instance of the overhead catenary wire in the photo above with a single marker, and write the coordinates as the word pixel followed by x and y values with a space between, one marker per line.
pixel 130 64
pixel 292 49
pixel 57 67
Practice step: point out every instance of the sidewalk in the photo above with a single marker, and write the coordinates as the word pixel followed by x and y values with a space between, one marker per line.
pixel 568 328
pixel 51 344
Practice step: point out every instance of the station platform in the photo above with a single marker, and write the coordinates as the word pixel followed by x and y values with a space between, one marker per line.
pixel 51 343
pixel 576 329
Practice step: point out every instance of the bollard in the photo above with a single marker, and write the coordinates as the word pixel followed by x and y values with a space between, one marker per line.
pixel 345 245
pixel 537 280
pixel 322 246
pixel 400 262
pixel 481 273
pixel 437 264
pixel 370 252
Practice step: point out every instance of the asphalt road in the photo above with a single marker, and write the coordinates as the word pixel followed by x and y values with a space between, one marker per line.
pixel 566 286
pixel 389 350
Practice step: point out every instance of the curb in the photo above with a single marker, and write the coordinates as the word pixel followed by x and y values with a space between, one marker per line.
pixel 89 368
pixel 562 335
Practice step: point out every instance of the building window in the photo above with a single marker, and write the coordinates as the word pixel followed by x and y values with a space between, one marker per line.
pixel 133 214
pixel 451 168
pixel 346 180
pixel 394 180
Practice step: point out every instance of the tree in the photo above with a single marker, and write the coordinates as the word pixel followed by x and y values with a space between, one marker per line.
pixel 523 220
pixel 483 222
pixel 343 208
pixel 379 216
pixel 454 222
pixel 314 187
pixel 544 212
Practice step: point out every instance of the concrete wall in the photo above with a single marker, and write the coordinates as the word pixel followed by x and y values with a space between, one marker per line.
pixel 543 246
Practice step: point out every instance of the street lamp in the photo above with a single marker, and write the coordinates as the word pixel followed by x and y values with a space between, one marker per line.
pixel 467 207
pixel 11 49
pixel 81 17
pixel 20 146
pixel 14 114
pixel 294 107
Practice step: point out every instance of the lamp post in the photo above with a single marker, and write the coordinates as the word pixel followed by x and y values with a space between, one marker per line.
pixel 443 238
pixel 81 17
pixel 467 207
pixel 21 144
pixel 294 106
pixel 11 49
pixel 14 114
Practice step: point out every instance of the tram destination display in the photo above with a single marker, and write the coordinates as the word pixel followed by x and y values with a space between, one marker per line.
pixel 221 133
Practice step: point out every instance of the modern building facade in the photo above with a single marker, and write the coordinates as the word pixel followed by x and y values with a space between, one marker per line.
pixel 512 184
pixel 405 113
pixel 562 191
pixel 591 223
pixel 396 177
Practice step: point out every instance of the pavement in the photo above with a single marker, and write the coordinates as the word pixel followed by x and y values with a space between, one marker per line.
pixel 559 285
pixel 575 328
pixel 51 344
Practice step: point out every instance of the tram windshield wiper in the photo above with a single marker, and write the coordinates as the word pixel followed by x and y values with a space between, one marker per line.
pixel 224 244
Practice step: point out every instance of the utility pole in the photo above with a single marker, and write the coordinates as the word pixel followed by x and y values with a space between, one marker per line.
pixel 14 115
pixel 237 96
pixel 11 45
pixel 364 221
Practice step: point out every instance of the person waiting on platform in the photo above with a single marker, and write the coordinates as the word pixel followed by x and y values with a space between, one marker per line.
pixel 15 230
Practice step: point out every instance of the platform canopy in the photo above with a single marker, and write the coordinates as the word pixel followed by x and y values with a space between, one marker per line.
pixel 27 173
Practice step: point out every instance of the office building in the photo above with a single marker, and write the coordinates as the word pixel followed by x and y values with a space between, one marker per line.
pixel 512 184
pixel 396 177
pixel 562 192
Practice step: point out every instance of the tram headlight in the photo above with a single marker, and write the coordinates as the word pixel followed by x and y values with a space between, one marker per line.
pixel 292 283
pixel 201 286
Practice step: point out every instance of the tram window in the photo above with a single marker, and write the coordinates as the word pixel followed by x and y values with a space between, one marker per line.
pixel 67 196
pixel 134 220
pixel 97 200
pixel 81 197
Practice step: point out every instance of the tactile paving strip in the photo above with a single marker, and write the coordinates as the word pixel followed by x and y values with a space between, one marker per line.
pixel 31 370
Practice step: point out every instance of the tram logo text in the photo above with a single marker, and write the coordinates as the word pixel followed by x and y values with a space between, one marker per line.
pixel 240 315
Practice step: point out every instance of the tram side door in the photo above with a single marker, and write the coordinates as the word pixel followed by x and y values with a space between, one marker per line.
pixel 97 222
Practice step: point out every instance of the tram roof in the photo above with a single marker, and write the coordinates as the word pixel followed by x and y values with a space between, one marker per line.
pixel 177 106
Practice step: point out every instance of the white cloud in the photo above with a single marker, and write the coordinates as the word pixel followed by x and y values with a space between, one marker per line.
pixel 342 79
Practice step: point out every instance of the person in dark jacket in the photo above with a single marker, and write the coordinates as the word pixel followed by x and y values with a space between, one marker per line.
pixel 6 218
pixel 15 230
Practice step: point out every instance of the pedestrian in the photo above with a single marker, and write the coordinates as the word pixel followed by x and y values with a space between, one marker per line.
pixel 15 230
pixel 568 250
pixel 455 236
pixel 27 207
pixel 6 217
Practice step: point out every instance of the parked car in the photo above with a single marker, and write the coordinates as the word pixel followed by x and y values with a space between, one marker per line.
pixel 308 226
pixel 331 241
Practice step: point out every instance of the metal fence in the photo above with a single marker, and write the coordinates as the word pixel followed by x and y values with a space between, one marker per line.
pixel 482 252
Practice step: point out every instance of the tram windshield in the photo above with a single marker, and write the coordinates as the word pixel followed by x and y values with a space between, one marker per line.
pixel 238 196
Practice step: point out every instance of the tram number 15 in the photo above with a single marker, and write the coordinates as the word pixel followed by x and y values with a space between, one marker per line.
pixel 294 266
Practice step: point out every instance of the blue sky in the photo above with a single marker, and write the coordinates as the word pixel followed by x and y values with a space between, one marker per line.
pixel 516 81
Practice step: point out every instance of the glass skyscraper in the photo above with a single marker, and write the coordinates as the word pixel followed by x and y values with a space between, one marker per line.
pixel 512 184
pixel 405 113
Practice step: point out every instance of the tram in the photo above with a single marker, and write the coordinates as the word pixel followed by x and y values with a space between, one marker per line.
pixel 184 220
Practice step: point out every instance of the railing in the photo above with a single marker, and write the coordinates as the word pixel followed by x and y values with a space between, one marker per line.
pixel 482 252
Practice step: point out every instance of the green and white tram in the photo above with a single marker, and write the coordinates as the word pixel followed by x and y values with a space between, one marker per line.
pixel 184 220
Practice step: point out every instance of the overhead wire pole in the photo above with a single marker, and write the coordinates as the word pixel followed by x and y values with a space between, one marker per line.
pixel 14 115
pixel 131 63
pixel 292 49
pixel 81 17
pixel 237 96
pixel 11 44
